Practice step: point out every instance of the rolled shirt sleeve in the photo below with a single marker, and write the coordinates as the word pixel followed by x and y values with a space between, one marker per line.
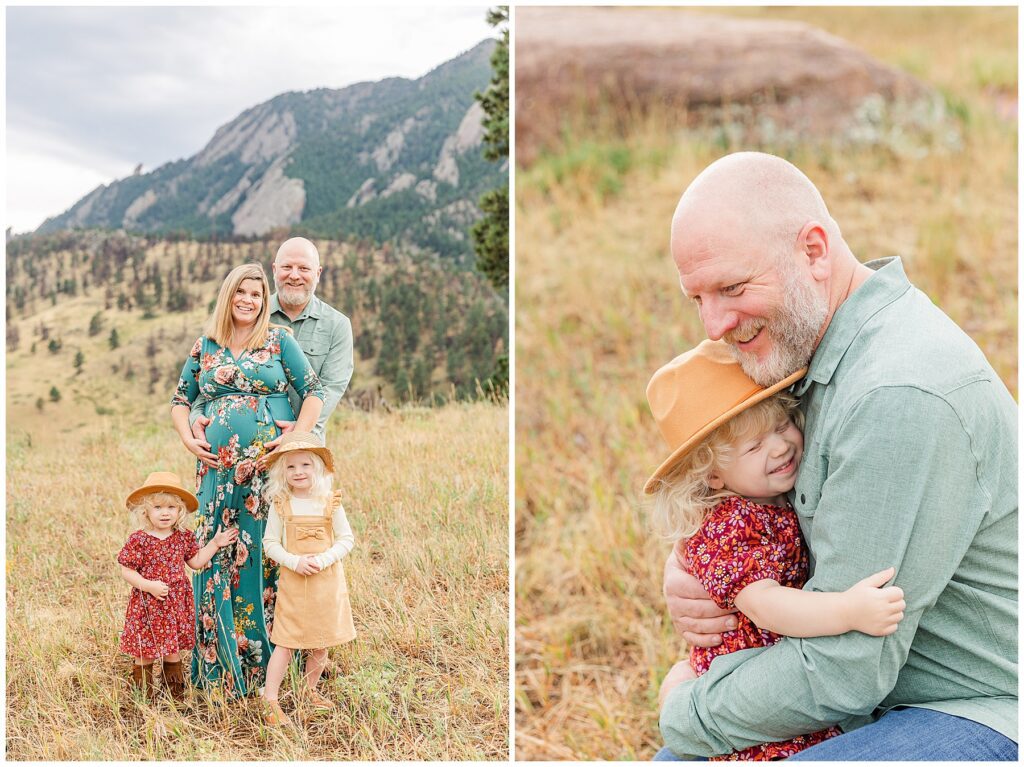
pixel 898 487
pixel 336 371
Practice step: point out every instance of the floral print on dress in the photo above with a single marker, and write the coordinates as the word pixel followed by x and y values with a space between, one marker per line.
pixel 741 542
pixel 154 628
pixel 235 596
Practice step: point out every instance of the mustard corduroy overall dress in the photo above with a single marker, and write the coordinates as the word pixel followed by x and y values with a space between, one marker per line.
pixel 312 611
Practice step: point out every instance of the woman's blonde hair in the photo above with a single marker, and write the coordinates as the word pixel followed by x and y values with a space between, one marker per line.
pixel 684 498
pixel 277 485
pixel 141 508
pixel 220 326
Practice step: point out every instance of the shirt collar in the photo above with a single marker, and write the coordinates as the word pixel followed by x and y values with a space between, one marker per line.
pixel 888 283
pixel 313 308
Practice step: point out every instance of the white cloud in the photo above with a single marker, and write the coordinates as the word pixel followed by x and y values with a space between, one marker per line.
pixel 42 185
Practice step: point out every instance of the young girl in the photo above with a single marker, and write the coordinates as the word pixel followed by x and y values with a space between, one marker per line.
pixel 160 620
pixel 308 533
pixel 736 448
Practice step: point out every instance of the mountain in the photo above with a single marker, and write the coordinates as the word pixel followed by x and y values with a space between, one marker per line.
pixel 397 160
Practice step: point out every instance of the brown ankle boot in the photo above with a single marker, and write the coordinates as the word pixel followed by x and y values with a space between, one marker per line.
pixel 174 679
pixel 142 677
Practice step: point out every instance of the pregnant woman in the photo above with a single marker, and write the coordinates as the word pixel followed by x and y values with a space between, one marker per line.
pixel 243 367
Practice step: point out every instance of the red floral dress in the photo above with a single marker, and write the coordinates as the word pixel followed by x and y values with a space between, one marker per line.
pixel 154 628
pixel 741 542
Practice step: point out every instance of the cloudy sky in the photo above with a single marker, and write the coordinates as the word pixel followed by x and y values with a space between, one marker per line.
pixel 93 92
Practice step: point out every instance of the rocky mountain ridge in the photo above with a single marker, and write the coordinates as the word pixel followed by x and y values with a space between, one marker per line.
pixel 395 160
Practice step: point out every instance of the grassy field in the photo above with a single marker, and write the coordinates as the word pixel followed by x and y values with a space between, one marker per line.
pixel 427 678
pixel 598 309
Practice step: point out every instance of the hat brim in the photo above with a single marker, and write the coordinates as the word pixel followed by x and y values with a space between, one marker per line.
pixel 191 502
pixel 323 452
pixel 680 452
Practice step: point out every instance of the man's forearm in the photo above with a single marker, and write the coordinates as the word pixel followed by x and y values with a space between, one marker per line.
pixel 803 685
pixel 197 409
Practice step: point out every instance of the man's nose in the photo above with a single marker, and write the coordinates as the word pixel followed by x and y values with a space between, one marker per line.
pixel 717 320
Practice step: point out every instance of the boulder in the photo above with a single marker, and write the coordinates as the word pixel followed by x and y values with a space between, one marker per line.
pixel 776 78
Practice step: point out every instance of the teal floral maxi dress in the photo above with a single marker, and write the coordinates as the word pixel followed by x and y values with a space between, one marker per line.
pixel 235 594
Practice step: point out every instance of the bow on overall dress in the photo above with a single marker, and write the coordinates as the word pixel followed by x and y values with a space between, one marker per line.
pixel 312 611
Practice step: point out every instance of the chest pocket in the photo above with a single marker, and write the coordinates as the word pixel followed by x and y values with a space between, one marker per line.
pixel 315 346
pixel 809 481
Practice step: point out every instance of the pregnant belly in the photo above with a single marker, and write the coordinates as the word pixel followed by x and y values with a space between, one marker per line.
pixel 245 418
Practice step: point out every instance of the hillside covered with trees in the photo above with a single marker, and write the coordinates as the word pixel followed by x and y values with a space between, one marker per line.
pixel 85 304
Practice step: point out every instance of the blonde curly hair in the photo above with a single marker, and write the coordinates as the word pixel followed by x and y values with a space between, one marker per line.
pixel 683 497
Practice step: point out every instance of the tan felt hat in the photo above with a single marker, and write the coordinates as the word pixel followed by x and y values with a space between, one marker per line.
pixel 696 393
pixel 164 482
pixel 301 440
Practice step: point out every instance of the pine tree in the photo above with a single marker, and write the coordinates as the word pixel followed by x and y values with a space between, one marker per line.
pixel 114 341
pixel 490 234
pixel 79 361
pixel 95 324
pixel 54 394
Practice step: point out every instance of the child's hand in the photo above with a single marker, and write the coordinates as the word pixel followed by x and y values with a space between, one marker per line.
pixel 158 589
pixel 226 537
pixel 875 610
pixel 307 565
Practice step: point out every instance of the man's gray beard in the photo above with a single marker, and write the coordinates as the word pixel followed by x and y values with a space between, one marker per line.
pixel 293 296
pixel 793 332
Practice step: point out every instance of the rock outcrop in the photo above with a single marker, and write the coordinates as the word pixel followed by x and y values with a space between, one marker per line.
pixel 776 76
pixel 275 200
pixel 469 134
pixel 261 133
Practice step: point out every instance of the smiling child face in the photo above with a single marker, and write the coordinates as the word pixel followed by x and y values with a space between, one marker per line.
pixel 762 467
pixel 299 471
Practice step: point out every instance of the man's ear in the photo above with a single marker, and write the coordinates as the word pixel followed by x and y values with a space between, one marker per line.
pixel 813 242
pixel 715 482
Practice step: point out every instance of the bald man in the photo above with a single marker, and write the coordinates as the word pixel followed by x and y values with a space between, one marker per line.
pixel 910 462
pixel 324 333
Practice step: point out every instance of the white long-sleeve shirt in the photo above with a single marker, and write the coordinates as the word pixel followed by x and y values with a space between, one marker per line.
pixel 274 535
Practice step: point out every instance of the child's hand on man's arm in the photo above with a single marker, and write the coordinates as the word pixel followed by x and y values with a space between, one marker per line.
pixel 874 608
pixel 863 607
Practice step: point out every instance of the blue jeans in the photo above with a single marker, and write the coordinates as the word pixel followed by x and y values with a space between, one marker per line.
pixel 905 735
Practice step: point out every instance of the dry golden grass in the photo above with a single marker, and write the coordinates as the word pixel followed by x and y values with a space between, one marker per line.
pixel 427 678
pixel 598 309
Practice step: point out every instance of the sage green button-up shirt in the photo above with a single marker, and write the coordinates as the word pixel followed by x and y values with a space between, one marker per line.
pixel 325 335
pixel 910 460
